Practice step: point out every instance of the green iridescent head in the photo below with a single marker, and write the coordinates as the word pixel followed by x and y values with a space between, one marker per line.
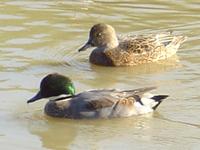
pixel 54 85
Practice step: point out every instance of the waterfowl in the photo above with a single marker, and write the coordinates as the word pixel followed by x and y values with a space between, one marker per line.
pixel 104 103
pixel 130 50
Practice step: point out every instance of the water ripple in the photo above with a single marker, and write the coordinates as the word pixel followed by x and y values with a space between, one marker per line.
pixel 41 37
pixel 8 17
pixel 11 28
pixel 22 41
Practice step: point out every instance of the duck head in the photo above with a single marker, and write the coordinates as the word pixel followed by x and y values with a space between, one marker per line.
pixel 54 85
pixel 101 36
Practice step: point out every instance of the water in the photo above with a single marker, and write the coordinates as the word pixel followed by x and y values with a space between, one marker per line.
pixel 41 37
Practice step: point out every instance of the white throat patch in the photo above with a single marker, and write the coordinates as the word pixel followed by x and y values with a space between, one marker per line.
pixel 53 98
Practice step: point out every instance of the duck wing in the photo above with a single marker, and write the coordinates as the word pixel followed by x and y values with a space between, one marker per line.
pixel 134 50
pixel 139 91
pixel 98 99
pixel 99 104
pixel 150 42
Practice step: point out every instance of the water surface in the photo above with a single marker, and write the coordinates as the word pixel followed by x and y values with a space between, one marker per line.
pixel 41 37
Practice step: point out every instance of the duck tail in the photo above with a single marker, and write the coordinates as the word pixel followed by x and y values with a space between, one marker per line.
pixel 178 40
pixel 148 102
pixel 152 101
pixel 170 40
pixel 158 99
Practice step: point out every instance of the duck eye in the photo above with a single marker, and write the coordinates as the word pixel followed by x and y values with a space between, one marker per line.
pixel 99 34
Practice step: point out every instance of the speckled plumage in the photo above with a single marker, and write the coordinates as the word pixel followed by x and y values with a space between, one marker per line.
pixel 129 50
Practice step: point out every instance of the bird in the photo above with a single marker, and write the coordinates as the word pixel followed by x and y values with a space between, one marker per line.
pixel 111 49
pixel 93 104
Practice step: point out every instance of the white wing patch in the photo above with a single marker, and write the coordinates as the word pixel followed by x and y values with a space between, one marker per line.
pixel 142 109
pixel 147 102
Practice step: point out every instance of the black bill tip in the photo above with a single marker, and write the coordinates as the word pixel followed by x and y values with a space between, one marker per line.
pixel 35 98
pixel 85 47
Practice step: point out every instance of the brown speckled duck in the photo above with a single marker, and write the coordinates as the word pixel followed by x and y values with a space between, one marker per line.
pixel 105 103
pixel 129 50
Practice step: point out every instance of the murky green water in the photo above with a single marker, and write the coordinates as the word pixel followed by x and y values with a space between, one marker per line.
pixel 41 37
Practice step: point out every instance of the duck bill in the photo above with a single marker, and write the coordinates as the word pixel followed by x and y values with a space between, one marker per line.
pixel 35 98
pixel 85 47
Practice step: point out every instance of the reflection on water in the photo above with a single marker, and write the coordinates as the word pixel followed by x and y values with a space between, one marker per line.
pixel 41 37
pixel 109 134
pixel 113 75
pixel 54 134
pixel 59 133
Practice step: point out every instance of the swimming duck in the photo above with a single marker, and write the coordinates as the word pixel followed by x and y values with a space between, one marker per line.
pixel 104 103
pixel 129 50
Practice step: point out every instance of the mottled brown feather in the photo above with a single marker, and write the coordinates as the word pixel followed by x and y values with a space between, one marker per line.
pixel 130 50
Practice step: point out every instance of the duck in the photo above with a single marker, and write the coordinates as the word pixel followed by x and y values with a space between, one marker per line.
pixel 93 104
pixel 110 49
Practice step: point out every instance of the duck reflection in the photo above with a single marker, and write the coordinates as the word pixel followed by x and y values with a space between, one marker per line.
pixel 109 76
pixel 92 134
pixel 54 133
